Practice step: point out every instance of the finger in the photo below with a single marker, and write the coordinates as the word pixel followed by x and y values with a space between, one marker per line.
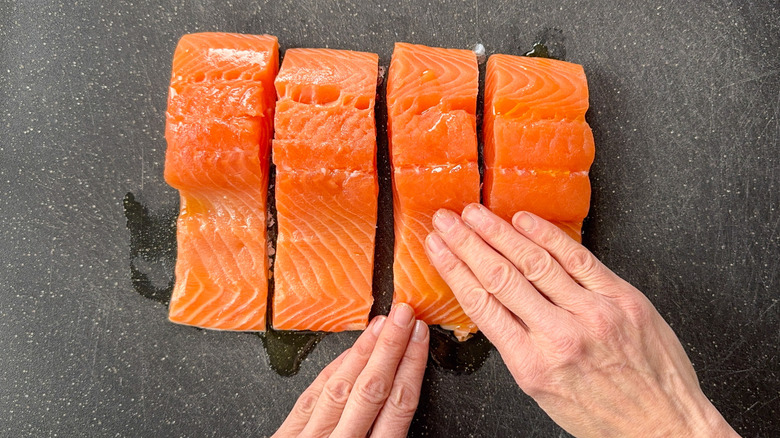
pixel 498 323
pixel 535 263
pixel 396 415
pixel 335 393
pixel 496 274
pixel 574 258
pixel 301 411
pixel 375 381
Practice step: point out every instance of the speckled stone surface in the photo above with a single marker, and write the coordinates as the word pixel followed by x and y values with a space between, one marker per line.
pixel 685 109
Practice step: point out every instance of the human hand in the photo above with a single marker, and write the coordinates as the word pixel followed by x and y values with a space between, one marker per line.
pixel 375 385
pixel 587 346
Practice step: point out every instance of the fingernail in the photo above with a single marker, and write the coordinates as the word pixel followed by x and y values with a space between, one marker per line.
pixel 402 315
pixel 376 326
pixel 420 331
pixel 435 244
pixel 524 221
pixel 443 220
pixel 473 215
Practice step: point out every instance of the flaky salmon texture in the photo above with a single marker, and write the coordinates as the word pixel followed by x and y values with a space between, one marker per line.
pixel 218 130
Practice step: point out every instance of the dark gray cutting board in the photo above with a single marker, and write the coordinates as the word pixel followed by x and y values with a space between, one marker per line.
pixel 685 109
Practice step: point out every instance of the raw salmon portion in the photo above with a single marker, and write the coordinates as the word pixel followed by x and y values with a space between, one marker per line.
pixel 329 77
pixel 219 100
pixel 356 133
pixel 554 195
pixel 538 147
pixel 213 57
pixel 547 144
pixel 431 100
pixel 215 156
pixel 427 130
pixel 325 256
pixel 419 192
pixel 326 190
pixel 218 132
pixel 522 87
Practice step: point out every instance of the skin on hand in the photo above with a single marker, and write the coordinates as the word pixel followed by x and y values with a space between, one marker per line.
pixel 373 386
pixel 587 346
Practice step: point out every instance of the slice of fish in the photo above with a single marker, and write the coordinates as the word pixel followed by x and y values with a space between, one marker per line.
pixel 218 130
pixel 326 190
pixel 431 99
pixel 538 147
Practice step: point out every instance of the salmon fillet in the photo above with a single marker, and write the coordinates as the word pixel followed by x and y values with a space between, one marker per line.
pixel 218 130
pixel 326 189
pixel 431 101
pixel 538 147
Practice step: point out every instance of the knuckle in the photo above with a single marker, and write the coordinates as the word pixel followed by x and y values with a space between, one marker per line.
pixel 637 310
pixel 306 403
pixel 416 354
pixel 374 389
pixel 568 346
pixel 459 235
pixel 601 326
pixel 492 227
pixel 465 239
pixel 549 237
pixel 498 276
pixel 404 398
pixel 534 384
pixel 337 390
pixel 475 301
pixel 362 349
pixel 581 262
pixel 531 375
pixel 505 336
pixel 448 264
pixel 534 388
pixel 392 343
pixel 536 265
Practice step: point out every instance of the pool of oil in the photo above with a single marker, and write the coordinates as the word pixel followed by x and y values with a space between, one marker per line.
pixel 152 249
pixel 550 43
pixel 286 350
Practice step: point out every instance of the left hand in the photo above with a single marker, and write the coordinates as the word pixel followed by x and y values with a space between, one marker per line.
pixel 373 386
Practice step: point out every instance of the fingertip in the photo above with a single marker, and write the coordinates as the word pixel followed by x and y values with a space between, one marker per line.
pixel 524 221
pixel 377 324
pixel 420 333
pixel 443 211
pixel 444 220
pixel 402 314
pixel 473 207
pixel 435 244
pixel 473 214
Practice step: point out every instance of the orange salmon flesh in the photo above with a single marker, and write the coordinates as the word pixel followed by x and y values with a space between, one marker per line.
pixel 231 106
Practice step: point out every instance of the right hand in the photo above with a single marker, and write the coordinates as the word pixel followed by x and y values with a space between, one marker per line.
pixel 586 345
